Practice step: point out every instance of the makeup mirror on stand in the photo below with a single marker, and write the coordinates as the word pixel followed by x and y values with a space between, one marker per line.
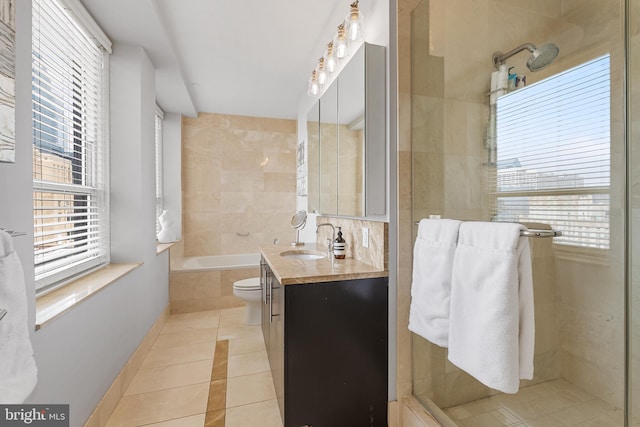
pixel 298 221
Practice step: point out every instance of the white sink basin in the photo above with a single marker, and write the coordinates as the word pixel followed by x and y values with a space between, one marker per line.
pixel 306 255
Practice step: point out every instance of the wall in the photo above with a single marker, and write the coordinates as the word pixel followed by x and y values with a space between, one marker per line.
pixel 80 353
pixel 442 111
pixel 238 192
pixel 376 254
pixel 238 177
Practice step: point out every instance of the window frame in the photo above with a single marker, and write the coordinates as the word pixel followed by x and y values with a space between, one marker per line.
pixel 159 166
pixel 569 246
pixel 74 266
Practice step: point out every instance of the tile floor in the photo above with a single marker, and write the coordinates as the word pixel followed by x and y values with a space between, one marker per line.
pixel 550 404
pixel 204 369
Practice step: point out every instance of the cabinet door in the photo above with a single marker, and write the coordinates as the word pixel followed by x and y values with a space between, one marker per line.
pixel 265 274
pixel 336 354
pixel 276 341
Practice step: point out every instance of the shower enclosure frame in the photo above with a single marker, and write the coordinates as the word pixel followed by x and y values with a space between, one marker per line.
pixel 627 223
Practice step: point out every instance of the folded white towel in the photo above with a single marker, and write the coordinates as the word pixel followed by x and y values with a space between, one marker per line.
pixel 491 326
pixel 430 291
pixel 18 372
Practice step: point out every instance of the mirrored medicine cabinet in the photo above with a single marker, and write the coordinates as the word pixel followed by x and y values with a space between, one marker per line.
pixel 346 135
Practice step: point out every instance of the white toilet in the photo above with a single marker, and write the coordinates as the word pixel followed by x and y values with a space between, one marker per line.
pixel 249 291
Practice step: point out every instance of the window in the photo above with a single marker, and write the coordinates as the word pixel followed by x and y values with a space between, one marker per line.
pixel 159 170
pixel 70 198
pixel 553 154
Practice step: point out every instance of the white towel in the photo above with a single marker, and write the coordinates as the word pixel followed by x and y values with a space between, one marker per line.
pixel 491 326
pixel 18 372
pixel 431 288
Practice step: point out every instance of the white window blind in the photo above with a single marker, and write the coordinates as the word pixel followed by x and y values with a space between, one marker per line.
pixel 553 154
pixel 159 169
pixel 69 146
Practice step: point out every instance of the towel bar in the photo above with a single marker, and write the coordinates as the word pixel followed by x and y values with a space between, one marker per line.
pixel 14 233
pixel 540 233
pixel 534 232
pixel 3 313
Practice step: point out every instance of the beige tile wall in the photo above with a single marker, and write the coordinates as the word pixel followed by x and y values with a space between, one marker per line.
pixel 442 114
pixel 376 254
pixel 206 290
pixel 238 191
pixel 239 176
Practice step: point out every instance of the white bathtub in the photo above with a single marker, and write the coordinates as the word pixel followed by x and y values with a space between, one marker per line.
pixel 219 262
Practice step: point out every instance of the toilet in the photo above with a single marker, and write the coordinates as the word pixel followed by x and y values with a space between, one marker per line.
pixel 249 291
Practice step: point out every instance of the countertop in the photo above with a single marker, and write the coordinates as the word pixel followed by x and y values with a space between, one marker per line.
pixel 291 271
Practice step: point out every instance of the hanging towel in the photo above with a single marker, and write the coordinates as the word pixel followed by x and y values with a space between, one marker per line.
pixel 18 372
pixel 491 326
pixel 431 287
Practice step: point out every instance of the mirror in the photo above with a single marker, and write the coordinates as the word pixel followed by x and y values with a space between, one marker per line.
pixel 347 162
pixel 350 184
pixel 313 161
pixel 329 150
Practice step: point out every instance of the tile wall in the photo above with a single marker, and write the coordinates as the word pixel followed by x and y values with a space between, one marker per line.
pixel 239 176
pixel 376 254
pixel 238 191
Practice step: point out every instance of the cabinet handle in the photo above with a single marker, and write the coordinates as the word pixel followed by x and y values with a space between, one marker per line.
pixel 271 302
pixel 271 315
pixel 263 284
pixel 267 285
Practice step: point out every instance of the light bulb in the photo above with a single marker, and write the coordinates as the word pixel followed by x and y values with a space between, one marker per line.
pixel 340 43
pixel 322 72
pixel 330 63
pixel 354 23
pixel 314 86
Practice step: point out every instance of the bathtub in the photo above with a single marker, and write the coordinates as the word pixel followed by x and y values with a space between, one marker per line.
pixel 218 262
pixel 206 282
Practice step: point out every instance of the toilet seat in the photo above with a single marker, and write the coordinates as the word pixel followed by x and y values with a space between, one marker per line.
pixel 251 284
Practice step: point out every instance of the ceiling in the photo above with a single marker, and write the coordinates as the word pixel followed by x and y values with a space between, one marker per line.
pixel 250 57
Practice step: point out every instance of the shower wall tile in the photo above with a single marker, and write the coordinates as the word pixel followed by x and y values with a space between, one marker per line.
pixel 241 180
pixel 280 182
pixel 238 177
pixel 224 173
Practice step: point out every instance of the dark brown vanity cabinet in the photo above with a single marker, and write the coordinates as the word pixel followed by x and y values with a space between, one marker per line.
pixel 327 346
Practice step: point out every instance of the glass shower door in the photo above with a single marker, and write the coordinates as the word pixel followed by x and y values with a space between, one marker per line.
pixel 633 259
pixel 540 155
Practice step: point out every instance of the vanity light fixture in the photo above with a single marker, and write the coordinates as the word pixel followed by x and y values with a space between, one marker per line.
pixel 350 31
pixel 354 23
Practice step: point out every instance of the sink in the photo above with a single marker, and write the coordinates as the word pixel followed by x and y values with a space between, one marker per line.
pixel 303 254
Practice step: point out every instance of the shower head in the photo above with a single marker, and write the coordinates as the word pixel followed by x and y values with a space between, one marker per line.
pixel 542 57
pixel 539 58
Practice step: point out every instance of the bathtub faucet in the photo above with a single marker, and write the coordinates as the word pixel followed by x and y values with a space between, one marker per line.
pixel 330 245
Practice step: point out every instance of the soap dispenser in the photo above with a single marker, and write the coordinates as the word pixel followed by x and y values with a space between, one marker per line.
pixel 339 246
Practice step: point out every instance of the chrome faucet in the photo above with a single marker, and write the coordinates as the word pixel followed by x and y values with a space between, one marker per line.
pixel 330 245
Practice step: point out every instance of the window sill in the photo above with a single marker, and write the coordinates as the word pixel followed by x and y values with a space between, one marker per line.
pixel 162 247
pixel 53 304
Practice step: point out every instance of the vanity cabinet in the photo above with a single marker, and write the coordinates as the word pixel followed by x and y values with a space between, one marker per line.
pixel 328 349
